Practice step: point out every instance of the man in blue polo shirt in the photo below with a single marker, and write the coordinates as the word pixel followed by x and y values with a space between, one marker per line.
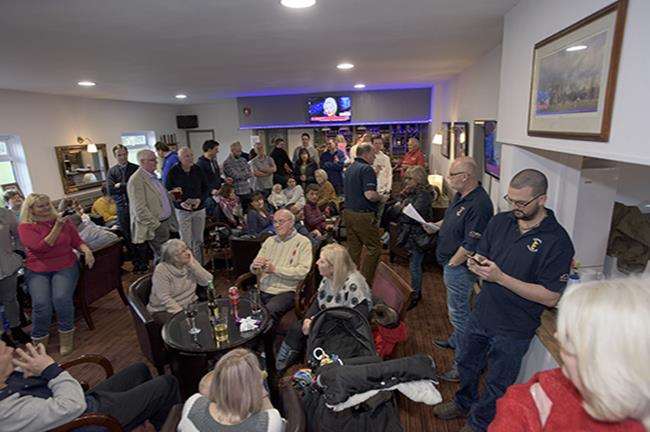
pixel 360 214
pixel 462 227
pixel 524 258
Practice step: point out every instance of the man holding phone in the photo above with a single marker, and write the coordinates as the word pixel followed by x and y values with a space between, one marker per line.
pixel 462 227
pixel 524 258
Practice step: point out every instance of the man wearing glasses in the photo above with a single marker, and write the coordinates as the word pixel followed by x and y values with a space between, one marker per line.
pixel 524 258
pixel 464 222
pixel 281 264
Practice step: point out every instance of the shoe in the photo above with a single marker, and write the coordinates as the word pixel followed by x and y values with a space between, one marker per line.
pixel 448 411
pixel 66 342
pixel 415 299
pixel 451 375
pixel 19 336
pixel 286 357
pixel 8 340
pixel 42 340
pixel 443 344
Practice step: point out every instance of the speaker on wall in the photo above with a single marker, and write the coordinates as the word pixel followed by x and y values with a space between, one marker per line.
pixel 187 121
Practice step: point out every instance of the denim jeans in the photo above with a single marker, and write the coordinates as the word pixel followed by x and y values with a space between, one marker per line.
pixel 52 288
pixel 459 282
pixel 415 265
pixel 502 355
pixel 191 225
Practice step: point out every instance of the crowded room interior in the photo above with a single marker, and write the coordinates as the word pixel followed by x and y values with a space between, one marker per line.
pixel 324 216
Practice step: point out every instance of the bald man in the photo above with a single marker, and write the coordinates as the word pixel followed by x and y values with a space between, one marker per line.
pixel 462 227
pixel 189 187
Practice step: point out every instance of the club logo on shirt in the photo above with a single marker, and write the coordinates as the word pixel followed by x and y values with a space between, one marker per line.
pixel 534 245
pixel 564 277
pixel 460 211
pixel 475 235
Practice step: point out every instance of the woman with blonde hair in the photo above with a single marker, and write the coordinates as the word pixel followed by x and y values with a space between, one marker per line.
pixel 327 198
pixel 342 286
pixel 52 271
pixel 604 382
pixel 232 398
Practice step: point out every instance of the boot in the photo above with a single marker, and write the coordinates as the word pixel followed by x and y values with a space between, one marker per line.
pixel 42 340
pixel 66 342
pixel 19 336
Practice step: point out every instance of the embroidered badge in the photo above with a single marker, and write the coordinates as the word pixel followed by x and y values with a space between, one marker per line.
pixel 474 234
pixel 460 211
pixel 564 277
pixel 534 245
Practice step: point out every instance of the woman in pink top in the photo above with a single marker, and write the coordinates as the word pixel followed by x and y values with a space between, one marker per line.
pixel 52 270
pixel 604 382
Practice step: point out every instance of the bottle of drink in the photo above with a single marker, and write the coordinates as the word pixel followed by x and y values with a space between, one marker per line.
pixel 233 294
pixel 213 306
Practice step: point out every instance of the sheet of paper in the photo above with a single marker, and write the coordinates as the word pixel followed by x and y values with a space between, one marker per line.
pixel 411 212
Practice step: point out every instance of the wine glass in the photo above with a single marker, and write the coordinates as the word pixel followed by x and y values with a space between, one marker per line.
pixel 255 300
pixel 191 312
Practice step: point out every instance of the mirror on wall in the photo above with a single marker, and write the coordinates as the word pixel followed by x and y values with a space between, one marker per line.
pixel 81 169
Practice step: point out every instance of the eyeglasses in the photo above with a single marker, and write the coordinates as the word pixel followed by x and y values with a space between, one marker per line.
pixel 280 222
pixel 455 174
pixel 520 204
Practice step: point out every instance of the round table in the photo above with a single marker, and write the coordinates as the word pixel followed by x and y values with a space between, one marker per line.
pixel 192 355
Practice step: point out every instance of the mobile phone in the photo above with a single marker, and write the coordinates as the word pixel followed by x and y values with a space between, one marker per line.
pixel 481 262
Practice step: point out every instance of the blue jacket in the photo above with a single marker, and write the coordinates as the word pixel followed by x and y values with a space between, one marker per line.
pixel 333 163
pixel 170 160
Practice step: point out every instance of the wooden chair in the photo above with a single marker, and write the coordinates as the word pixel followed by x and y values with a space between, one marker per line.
pixel 147 330
pixel 392 289
pixel 244 251
pixel 104 277
pixel 108 422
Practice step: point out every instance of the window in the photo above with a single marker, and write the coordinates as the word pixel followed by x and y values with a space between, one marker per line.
pixel 13 166
pixel 136 141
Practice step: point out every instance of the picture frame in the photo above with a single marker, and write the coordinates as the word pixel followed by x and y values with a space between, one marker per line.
pixel 446 139
pixel 573 79
pixel 460 133
pixel 12 186
pixel 485 132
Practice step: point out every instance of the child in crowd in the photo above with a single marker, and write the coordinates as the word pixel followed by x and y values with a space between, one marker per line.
pixel 277 199
pixel 294 193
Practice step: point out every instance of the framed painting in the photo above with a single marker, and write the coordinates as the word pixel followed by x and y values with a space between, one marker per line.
pixel 12 186
pixel 446 139
pixel 574 77
pixel 461 139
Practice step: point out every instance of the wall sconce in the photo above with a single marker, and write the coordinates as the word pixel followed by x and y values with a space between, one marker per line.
pixel 90 146
pixel 436 180
pixel 437 139
pixel 462 137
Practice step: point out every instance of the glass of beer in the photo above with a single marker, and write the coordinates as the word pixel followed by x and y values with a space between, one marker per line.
pixel 220 326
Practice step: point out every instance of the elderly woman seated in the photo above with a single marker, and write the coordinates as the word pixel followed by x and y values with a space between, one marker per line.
pixel 173 286
pixel 232 397
pixel 342 286
pixel 604 382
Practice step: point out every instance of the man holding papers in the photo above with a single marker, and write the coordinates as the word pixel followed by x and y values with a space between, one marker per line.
pixel 465 219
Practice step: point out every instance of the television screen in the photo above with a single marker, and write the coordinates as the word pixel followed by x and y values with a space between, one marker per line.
pixel 330 109
pixel 491 149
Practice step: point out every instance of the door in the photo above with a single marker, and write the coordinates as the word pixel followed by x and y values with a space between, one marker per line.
pixel 196 138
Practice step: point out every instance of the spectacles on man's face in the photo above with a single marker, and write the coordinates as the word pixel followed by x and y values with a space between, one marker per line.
pixel 450 175
pixel 280 222
pixel 520 204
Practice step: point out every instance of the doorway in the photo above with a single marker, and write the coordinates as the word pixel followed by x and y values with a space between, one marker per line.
pixel 196 138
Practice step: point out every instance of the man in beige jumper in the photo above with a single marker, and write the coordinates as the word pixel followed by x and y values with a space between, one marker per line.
pixel 281 264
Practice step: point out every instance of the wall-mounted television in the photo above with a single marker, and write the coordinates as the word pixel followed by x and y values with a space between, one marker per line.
pixel 491 149
pixel 329 109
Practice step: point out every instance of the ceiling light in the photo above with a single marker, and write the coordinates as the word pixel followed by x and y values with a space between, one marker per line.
pixel 577 48
pixel 344 66
pixel 181 96
pixel 297 4
pixel 86 83
pixel 360 86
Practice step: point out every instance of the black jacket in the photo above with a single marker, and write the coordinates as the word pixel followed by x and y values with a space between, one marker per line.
pixel 211 172
pixel 411 234
pixel 118 174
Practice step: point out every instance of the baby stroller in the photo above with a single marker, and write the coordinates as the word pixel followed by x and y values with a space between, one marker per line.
pixel 352 388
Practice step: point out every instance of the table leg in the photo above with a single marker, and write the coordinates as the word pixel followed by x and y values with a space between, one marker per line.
pixel 269 351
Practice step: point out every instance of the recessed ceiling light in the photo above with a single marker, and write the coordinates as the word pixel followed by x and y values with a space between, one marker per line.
pixel 297 4
pixel 577 48
pixel 86 83
pixel 181 96
pixel 345 66
pixel 359 86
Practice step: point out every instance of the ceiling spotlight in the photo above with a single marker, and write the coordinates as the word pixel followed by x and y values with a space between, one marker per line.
pixel 86 83
pixel 181 96
pixel 577 48
pixel 359 86
pixel 344 66
pixel 297 4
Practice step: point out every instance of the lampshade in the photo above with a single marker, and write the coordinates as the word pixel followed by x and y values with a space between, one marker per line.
pixel 91 148
pixel 437 139
pixel 462 137
pixel 436 180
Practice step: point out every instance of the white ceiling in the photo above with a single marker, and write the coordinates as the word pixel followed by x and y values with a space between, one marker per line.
pixel 149 50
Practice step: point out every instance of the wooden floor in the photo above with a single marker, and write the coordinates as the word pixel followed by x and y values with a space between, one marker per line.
pixel 114 338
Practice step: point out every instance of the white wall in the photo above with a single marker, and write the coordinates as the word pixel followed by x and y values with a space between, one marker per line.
pixel 529 22
pixel 472 95
pixel 222 116
pixel 44 121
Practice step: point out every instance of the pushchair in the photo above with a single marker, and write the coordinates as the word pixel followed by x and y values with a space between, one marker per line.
pixel 352 388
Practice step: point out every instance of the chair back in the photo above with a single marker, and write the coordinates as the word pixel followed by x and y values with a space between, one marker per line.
pixel 244 252
pixel 147 330
pixel 106 274
pixel 392 289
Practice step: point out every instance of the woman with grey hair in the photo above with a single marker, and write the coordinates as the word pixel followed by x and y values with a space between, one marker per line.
pixel 174 280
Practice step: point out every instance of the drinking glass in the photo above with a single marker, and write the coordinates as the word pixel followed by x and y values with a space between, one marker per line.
pixel 191 312
pixel 256 301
